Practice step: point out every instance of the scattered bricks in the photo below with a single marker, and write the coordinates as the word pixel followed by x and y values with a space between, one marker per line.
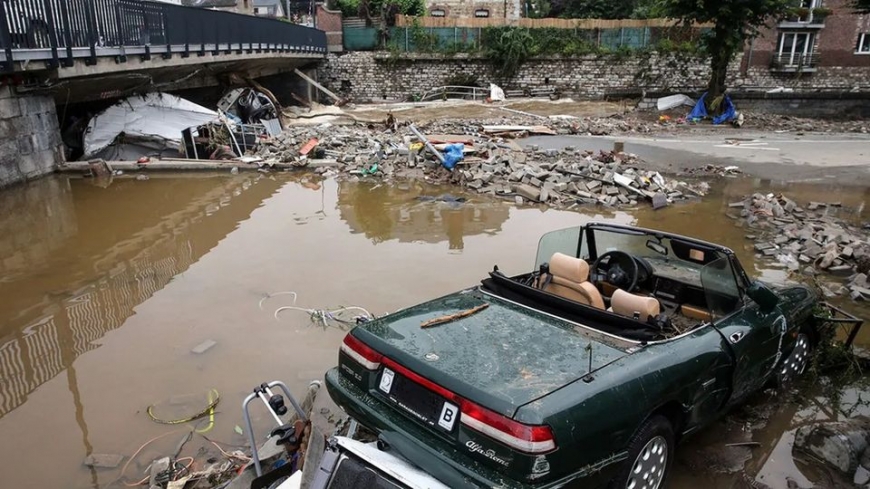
pixel 622 198
pixel 860 280
pixel 475 184
pixel 534 181
pixel 527 192
pixel 560 187
pixel 518 200
pixel 611 190
pixel 847 252
pixel 737 204
pixel 585 195
pixel 841 270
pixel 770 252
pixel 592 185
pixel 780 240
pixel 544 196
pixel 764 246
pixel 862 292
pixel 516 176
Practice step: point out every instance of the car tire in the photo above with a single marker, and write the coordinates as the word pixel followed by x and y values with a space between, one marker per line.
pixel 797 362
pixel 650 456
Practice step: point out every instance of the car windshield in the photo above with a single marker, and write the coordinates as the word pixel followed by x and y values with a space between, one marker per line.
pixel 683 261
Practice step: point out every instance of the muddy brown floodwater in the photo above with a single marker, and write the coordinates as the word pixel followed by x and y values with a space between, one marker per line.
pixel 106 289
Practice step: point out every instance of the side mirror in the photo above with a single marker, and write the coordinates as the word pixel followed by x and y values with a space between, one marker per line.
pixel 763 296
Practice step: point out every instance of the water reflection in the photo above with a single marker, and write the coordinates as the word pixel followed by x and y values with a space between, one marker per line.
pixel 77 268
pixel 415 212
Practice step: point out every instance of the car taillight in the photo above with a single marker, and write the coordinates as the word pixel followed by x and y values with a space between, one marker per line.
pixel 522 437
pixel 361 353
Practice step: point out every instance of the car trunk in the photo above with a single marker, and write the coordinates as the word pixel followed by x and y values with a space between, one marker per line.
pixel 502 357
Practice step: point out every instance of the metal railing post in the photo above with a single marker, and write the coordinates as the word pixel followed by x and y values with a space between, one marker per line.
pixel 52 34
pixel 67 34
pixel 91 13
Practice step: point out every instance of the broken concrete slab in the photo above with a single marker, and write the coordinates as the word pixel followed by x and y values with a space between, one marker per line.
pixel 527 192
pixel 203 347
pixel 103 460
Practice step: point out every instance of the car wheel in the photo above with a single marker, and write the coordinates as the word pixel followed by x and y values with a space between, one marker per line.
pixel 650 455
pixel 797 361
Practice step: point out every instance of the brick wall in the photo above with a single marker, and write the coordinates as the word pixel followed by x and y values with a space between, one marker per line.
pixel 329 21
pixel 30 142
pixel 367 76
pixel 374 76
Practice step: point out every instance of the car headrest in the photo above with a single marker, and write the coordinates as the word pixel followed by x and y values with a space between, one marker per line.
pixel 569 268
pixel 627 304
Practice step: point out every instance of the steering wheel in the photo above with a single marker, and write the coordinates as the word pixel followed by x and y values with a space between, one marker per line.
pixel 621 270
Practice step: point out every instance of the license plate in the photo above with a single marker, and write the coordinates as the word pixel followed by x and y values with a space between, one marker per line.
pixel 420 402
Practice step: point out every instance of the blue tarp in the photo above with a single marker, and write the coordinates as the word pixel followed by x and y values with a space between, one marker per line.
pixel 453 155
pixel 729 112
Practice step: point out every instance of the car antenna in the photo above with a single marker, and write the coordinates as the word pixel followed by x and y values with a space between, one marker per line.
pixel 588 377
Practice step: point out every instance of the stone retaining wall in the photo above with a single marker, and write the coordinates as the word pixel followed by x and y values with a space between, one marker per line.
pixel 30 142
pixel 377 76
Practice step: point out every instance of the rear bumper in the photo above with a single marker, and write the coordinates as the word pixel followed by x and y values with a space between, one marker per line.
pixel 424 450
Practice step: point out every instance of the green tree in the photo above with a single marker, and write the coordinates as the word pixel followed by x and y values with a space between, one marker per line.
pixel 734 22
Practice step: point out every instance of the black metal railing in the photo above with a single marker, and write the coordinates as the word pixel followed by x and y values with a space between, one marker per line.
pixel 797 62
pixel 59 31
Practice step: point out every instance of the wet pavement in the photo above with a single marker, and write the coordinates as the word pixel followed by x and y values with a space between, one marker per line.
pixel 106 289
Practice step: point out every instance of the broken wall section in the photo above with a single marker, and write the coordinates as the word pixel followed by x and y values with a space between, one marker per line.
pixel 30 141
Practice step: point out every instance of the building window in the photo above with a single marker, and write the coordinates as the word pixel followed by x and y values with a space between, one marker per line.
pixel 863 44
pixel 481 12
pixel 438 12
pixel 796 48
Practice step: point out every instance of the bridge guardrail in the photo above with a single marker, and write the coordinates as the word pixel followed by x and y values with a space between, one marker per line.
pixel 60 31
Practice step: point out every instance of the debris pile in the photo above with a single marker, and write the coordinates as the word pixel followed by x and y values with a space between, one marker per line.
pixel 810 240
pixel 484 159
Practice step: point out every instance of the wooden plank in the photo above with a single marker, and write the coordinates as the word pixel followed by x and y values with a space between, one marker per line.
pixel 319 86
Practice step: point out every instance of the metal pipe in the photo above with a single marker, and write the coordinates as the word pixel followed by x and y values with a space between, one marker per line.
pixel 427 144
pixel 249 426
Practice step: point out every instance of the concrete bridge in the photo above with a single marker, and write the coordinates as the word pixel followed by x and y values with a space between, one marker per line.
pixel 60 52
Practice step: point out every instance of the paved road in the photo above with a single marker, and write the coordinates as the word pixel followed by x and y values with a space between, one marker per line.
pixel 814 157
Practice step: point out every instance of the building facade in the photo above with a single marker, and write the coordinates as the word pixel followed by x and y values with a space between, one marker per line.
pixel 821 44
pixel 237 6
pixel 507 9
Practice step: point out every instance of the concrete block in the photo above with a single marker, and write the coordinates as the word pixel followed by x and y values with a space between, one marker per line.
pixel 26 144
pixel 9 108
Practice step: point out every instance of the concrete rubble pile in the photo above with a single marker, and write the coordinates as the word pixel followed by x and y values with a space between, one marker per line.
pixel 810 240
pixel 492 163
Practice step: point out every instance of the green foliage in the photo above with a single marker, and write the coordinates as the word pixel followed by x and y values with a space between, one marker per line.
pixel 379 8
pixel 425 41
pixel 508 48
pixel 735 22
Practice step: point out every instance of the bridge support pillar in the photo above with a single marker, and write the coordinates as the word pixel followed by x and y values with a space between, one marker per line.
pixel 30 140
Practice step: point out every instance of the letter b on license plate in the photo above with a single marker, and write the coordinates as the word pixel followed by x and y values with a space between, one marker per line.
pixel 449 413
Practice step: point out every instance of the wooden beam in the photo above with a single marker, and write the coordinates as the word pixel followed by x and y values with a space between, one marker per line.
pixel 319 86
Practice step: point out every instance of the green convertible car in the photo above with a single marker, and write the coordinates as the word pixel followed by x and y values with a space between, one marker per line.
pixel 584 372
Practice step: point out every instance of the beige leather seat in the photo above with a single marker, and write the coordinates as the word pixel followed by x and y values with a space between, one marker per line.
pixel 631 305
pixel 569 278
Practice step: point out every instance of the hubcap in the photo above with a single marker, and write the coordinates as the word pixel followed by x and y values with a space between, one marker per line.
pixel 797 362
pixel 649 467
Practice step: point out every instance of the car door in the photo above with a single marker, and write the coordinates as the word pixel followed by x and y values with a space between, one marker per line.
pixel 754 336
pixel 756 341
